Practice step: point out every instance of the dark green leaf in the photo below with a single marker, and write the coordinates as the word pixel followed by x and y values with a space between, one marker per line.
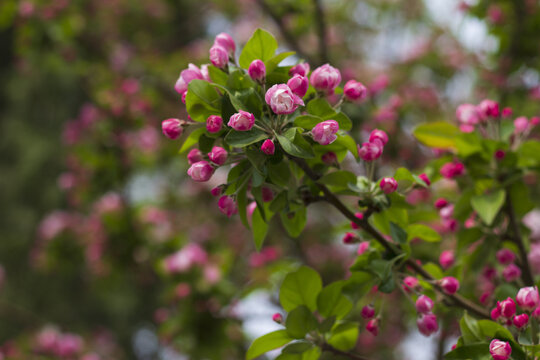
pixel 268 342
pixel 300 321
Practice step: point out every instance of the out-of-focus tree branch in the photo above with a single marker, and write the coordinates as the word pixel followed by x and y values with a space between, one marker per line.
pixel 321 31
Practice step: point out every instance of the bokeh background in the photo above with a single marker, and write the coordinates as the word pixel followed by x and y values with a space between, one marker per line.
pixel 94 201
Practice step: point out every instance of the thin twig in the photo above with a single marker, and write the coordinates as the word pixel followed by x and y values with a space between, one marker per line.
pixel 457 299
pixel 526 273
pixel 321 31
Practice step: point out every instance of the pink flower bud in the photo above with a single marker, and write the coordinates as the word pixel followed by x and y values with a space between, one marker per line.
pixel 368 312
pixel 511 272
pixel 495 313
pixel 214 123
pixel 447 212
pixel 440 203
pixel 446 259
pixel 282 100
pixel 425 179
pixel 194 155
pixel 299 85
pixel 362 247
pixel 216 191
pixel 373 326
pixel 257 70
pixel 507 112
pixel 535 120
pixel 359 216
pixel 182 290
pixel 388 185
pixel 427 324
pixel 350 238
pixel 380 135
pixel 219 56
pixel 227 205
pixel 409 284
pixel 267 194
pixel 507 307
pixel 354 91
pixel 268 147
pixel 500 350
pixel 201 171
pixel 527 298
pixel 277 317
pixel 186 76
pixel 226 42
pixel 301 69
pixel 325 132
pixel 184 97
pixel 489 108
pixel 242 121
pixel 205 73
pixel 499 154
pixel 468 114
pixel 218 155
pixel 520 321
pixel 424 304
pixel 172 128
pixel 329 158
pixel 505 256
pixel 452 169
pixel 521 124
pixel 450 285
pixel 536 313
pixel 370 151
pixel 325 78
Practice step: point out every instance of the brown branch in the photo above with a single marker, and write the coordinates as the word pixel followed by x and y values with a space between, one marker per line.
pixel 321 31
pixel 289 37
pixel 333 350
pixel 526 273
pixel 456 299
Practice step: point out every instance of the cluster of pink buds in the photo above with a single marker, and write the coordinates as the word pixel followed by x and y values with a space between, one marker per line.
pixel 446 212
pixel 368 313
pixel 373 149
pixel 63 345
pixel 427 321
pixel 506 257
pixel 522 125
pixel 470 115
pixel 184 259
pixel 527 299
pixel 452 169
pixel 263 257
pixel 222 50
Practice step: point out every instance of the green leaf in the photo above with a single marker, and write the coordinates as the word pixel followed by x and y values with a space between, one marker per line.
pixel 279 173
pixel 468 144
pixel 529 153
pixel 300 288
pixel 488 205
pixel 397 233
pixel 307 122
pixel 273 62
pixel 202 100
pixel 472 351
pixel 340 179
pixel 241 200
pixel 404 178
pixel 268 342
pixel 423 232
pixel 295 220
pixel 438 134
pixel 244 138
pixel 217 76
pixel 192 139
pixel 299 322
pixel 297 347
pixel 344 336
pixel 298 146
pixel 382 219
pixel 262 45
pixel 347 142
pixel 321 108
pixel 331 301
pixel 259 228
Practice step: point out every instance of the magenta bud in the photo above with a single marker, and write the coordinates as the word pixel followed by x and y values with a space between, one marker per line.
pixel 329 158
pixel 507 307
pixel 267 194
pixel 489 108
pixel 446 259
pixel 388 185
pixel 424 304
pixel 227 205
pixel 242 121
pixel 277 317
pixel 409 284
pixel 511 272
pixel 521 124
pixel 257 70
pixel 368 312
pixel 218 155
pixel 499 154
pixel 300 69
pixel 427 324
pixel 520 321
pixel 505 256
pixel 282 99
pixel 299 85
pixel 201 171
pixel 358 216
pixel 500 350
pixel 268 147
pixel 495 313
pixel 325 78
pixel 380 135
pixel 354 91
pixel 527 298
pixel 507 112
pixel 184 97
pixel 194 155
pixel 425 179
pixel 172 128
pixel 350 238
pixel 226 42
pixel 216 191
pixel 373 326
pixel 441 203
pixel 325 132
pixel 214 123
pixel 449 284
pixel 219 56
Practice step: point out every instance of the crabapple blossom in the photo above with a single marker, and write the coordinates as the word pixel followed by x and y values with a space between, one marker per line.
pixel 301 69
pixel 354 90
pixel 268 147
pixel 325 78
pixel 242 121
pixel 227 205
pixel 226 42
pixel 424 304
pixel 370 151
pixel 194 155
pixel 527 298
pixel 219 56
pixel 214 123
pixel 500 350
pixel 325 132
pixel 449 284
pixel 298 84
pixel 172 128
pixel 388 185
pixel 218 155
pixel 282 99
pixel 427 324
pixel 257 70
pixel 201 171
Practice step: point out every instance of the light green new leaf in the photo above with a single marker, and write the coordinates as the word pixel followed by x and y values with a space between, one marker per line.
pixel 488 205
pixel 423 232
pixel 268 342
pixel 438 134
pixel 344 336
pixel 300 288
pixel 262 45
